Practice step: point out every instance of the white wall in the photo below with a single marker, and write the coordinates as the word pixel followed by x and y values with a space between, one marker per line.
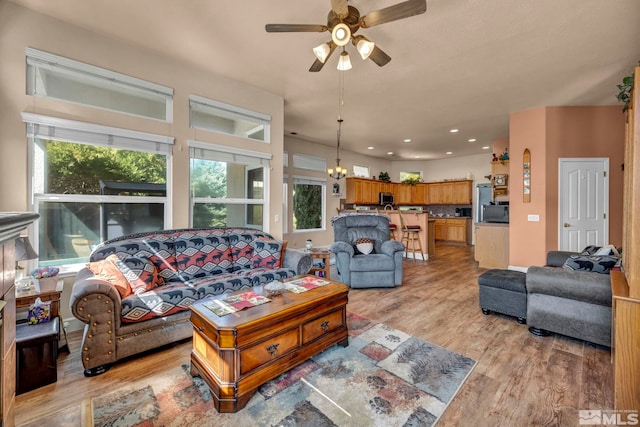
pixel 449 168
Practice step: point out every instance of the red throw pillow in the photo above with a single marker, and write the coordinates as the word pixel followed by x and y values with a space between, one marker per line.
pixel 267 253
pixel 141 274
pixel 106 269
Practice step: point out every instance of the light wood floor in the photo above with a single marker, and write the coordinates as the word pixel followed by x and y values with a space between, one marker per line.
pixel 520 379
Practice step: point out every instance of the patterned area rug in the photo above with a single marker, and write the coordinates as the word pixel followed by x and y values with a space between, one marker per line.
pixel 383 378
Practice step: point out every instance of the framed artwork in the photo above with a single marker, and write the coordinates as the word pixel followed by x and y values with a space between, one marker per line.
pixel 526 174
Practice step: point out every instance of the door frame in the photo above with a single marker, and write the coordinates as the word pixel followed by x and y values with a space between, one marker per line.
pixel 605 164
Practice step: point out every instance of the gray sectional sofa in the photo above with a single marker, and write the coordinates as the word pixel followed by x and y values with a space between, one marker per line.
pixel 569 302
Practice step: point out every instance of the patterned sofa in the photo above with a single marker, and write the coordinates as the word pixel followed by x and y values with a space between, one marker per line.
pixel 165 273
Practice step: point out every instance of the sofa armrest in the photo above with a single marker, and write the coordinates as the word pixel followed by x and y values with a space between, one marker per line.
pixel 90 297
pixel 337 247
pixel 390 247
pixel 592 288
pixel 297 260
pixel 557 258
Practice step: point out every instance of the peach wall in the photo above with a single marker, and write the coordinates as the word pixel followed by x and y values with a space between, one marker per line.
pixel 587 132
pixel 551 133
pixel 527 240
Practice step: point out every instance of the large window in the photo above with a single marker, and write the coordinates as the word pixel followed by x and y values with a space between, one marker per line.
pixel 219 117
pixel 56 77
pixel 93 183
pixel 228 186
pixel 308 203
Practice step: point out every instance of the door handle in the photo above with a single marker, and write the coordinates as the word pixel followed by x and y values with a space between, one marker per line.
pixel 565 225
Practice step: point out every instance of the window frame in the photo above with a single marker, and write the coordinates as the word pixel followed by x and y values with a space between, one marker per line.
pixel 106 79
pixel 308 180
pixel 214 149
pixel 41 127
pixel 229 111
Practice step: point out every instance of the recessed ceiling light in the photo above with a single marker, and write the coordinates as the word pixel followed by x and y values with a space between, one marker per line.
pixel 454 130
pixel 407 140
pixel 369 148
pixel 472 140
pixel 486 147
pixel 449 152
pixel 416 157
pixel 390 153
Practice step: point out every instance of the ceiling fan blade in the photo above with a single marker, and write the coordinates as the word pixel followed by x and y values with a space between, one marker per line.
pixel 295 28
pixel 317 65
pixel 340 8
pixel 379 57
pixel 393 13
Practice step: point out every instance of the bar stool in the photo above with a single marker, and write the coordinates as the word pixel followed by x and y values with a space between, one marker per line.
pixel 392 228
pixel 411 237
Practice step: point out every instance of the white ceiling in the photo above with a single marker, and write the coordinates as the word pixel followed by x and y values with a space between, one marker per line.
pixel 463 64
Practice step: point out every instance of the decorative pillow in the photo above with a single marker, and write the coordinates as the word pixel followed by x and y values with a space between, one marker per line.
pixel 365 246
pixel 592 263
pixel 267 253
pixel 141 274
pixel 108 270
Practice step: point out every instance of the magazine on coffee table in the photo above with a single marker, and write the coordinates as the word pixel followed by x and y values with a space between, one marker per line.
pixel 235 303
pixel 304 284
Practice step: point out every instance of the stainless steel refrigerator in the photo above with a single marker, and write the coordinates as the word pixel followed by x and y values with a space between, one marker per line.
pixel 483 197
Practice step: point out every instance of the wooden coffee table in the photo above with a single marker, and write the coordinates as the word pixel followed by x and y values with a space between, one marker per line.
pixel 237 353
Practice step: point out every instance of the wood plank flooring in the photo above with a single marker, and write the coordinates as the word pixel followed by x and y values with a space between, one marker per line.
pixel 520 379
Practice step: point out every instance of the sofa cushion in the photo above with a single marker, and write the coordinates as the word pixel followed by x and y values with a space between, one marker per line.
pixel 260 276
pixel 219 284
pixel 161 301
pixel 266 253
pixel 201 253
pixel 242 248
pixel 372 262
pixel 592 263
pixel 141 274
pixel 108 270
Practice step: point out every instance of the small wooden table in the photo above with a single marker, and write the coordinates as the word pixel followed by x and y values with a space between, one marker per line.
pixel 325 256
pixel 26 297
pixel 237 353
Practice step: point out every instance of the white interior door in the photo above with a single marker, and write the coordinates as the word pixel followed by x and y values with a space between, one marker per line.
pixel 584 203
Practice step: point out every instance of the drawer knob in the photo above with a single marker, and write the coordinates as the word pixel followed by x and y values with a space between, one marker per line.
pixel 325 325
pixel 273 350
pixel 200 328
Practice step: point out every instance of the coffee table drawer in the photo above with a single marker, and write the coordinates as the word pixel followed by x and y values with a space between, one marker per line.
pixel 322 325
pixel 266 351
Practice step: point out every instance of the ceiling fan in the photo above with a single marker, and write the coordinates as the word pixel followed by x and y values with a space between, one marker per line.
pixel 343 22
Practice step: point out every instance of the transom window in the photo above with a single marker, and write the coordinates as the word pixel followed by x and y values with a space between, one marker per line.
pixel 229 119
pixel 64 79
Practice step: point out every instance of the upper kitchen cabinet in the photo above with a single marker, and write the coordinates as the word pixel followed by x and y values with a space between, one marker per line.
pixel 450 193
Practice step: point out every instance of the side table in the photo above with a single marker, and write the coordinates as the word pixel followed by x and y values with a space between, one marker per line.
pixel 26 297
pixel 325 267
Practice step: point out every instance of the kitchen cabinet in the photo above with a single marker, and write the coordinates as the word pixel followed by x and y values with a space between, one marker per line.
pixel 492 245
pixel 365 191
pixel 456 230
pixel 450 193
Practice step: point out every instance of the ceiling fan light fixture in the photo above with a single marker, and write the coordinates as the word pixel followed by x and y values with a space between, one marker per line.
pixel 344 63
pixel 322 52
pixel 365 47
pixel 341 34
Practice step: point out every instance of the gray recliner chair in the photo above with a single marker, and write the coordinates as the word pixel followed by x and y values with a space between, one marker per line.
pixel 380 269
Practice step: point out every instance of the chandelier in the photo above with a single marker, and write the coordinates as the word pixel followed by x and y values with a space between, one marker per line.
pixel 339 172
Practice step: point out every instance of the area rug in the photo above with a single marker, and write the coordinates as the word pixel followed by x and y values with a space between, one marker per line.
pixel 385 377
